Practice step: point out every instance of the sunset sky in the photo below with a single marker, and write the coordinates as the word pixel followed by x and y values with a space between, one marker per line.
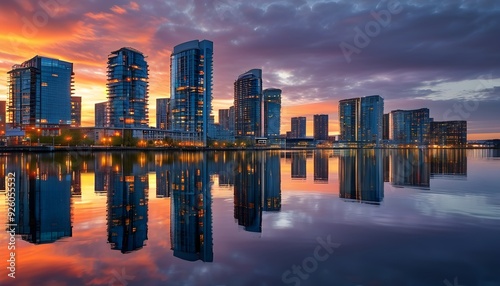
pixel 443 55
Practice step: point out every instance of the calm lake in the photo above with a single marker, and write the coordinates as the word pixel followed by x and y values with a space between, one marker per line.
pixel 324 217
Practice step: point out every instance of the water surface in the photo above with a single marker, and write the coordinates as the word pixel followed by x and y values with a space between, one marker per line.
pixel 344 217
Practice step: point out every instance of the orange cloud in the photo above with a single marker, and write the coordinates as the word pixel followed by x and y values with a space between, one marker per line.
pixel 134 6
pixel 118 10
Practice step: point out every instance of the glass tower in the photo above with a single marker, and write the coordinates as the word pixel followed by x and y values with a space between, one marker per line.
pixel 348 118
pixel 127 88
pixel 409 126
pixel 361 119
pixel 40 92
pixel 371 117
pixel 162 113
pixel 248 104
pixel 191 74
pixel 272 112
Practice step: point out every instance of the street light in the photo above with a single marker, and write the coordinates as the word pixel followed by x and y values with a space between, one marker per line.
pixel 38 136
pixel 68 139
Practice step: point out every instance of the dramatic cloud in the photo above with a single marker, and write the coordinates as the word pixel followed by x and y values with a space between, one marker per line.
pixel 413 53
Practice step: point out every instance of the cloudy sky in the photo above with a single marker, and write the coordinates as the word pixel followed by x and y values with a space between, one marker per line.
pixel 443 55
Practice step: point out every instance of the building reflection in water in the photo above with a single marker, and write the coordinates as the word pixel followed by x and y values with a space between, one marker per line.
pixel 361 175
pixel 102 172
pixel 3 174
pixel 449 163
pixel 299 171
pixel 127 201
pixel 76 183
pixel 191 208
pixel 410 168
pixel 257 187
pixel 272 181
pixel 320 167
pixel 43 196
pixel 163 176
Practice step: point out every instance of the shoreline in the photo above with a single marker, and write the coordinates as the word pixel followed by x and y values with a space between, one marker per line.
pixel 50 149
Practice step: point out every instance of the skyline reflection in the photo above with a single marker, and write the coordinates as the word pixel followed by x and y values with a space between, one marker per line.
pixel 50 183
pixel 232 211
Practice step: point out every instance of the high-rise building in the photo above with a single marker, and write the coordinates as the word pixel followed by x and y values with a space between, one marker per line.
pixel 385 127
pixel 40 92
pixel 76 111
pixel 191 74
pixel 272 112
pixel 3 118
pixel 409 126
pixel 371 119
pixel 348 119
pixel 224 118
pixel 100 113
pixel 163 113
pixel 449 133
pixel 248 104
pixel 320 127
pixel 298 127
pixel 127 89
pixel 231 119
pixel 361 119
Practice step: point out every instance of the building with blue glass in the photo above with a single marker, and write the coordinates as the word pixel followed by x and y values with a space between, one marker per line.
pixel 40 92
pixel 191 76
pixel 163 113
pixel 127 89
pixel 248 105
pixel 361 120
pixel 272 112
pixel 409 126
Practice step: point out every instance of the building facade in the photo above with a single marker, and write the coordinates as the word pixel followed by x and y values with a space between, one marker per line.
pixel 76 111
pixel 224 118
pixel 272 112
pixel 248 104
pixel 298 127
pixel 348 118
pixel 191 76
pixel 3 117
pixel 40 92
pixel 127 89
pixel 449 133
pixel 409 126
pixel 361 119
pixel 100 112
pixel 371 119
pixel 163 113
pixel 320 127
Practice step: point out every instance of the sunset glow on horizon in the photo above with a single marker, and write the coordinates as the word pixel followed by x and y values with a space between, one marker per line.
pixel 452 70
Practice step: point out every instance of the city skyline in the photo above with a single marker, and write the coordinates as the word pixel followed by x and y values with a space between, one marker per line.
pixel 297 44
